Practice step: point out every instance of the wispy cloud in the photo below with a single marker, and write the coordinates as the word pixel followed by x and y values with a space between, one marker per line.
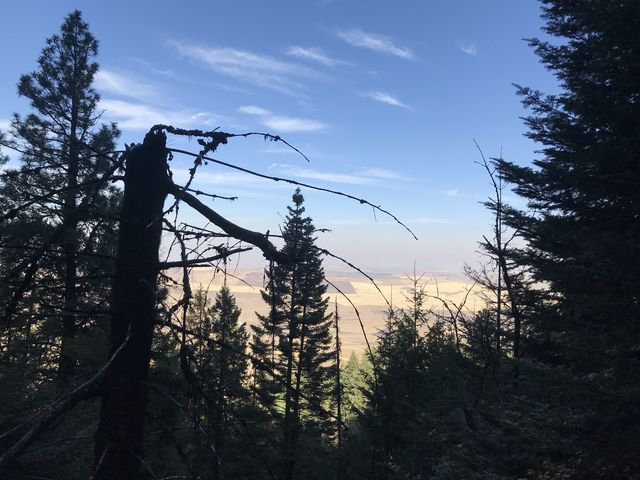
pixel 349 222
pixel 230 183
pixel 141 116
pixel 384 97
pixel 236 179
pixel 451 193
pixel 181 175
pixel 150 67
pixel 377 43
pixel 282 123
pixel 186 78
pixel 293 124
pixel 5 124
pixel 383 174
pixel 253 110
pixel 245 66
pixel 115 83
pixel 315 55
pixel 311 174
pixel 429 221
pixel 367 176
pixel 275 150
pixel 469 49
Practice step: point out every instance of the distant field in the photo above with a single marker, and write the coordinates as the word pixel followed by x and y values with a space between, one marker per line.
pixel 371 304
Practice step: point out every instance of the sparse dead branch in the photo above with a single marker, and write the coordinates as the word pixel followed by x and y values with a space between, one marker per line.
pixel 43 419
pixel 364 332
pixel 367 276
pixel 255 238
pixel 221 137
pixel 301 184
pixel 204 261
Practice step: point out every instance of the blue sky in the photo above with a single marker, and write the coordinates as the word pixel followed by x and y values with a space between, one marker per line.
pixel 385 101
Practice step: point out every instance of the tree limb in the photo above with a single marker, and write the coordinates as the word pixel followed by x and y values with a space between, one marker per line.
pixel 55 410
pixel 260 240
pixel 197 262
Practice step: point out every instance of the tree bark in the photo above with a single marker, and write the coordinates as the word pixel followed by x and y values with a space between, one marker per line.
pixel 289 460
pixel 70 247
pixel 120 433
pixel 338 384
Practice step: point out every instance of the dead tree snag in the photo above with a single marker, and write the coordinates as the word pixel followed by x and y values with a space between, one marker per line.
pixel 119 438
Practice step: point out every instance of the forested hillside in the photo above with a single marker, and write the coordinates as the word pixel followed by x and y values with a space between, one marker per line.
pixel 115 367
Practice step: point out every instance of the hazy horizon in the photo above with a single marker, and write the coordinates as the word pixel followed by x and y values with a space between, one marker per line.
pixel 385 103
pixel 246 283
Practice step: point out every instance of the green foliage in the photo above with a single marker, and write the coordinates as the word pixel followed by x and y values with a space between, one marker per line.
pixel 294 340
pixel 58 230
pixel 583 241
pixel 437 397
pixel 415 383
pixel 219 365
pixel 57 238
pixel 297 328
pixel 354 380
pixel 581 229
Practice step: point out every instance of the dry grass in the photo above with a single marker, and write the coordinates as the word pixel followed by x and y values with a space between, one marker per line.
pixel 372 306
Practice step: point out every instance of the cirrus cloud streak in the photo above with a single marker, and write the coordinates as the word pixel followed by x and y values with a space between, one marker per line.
pixel 249 67
pixel 314 54
pixel 139 116
pixel 281 123
pixel 384 97
pixel 375 42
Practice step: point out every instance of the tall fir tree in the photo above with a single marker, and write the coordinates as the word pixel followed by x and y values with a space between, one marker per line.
pixel 57 240
pixel 58 222
pixel 416 384
pixel 582 227
pixel 298 321
pixel 221 370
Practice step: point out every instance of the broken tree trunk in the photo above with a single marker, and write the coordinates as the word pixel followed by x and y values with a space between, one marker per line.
pixel 120 433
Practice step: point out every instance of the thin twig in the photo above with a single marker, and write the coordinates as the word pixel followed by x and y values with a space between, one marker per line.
pixel 216 135
pixel 301 184
pixel 55 410
pixel 328 253
pixel 364 333
pixel 199 262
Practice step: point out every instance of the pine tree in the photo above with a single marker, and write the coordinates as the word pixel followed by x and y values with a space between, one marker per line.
pixel 221 369
pixel 399 359
pixel 299 322
pixel 265 343
pixel 58 216
pixel 417 384
pixel 338 387
pixel 353 376
pixel 57 240
pixel 582 228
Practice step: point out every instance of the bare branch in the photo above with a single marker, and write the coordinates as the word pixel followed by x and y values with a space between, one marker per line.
pixel 301 184
pixel 55 410
pixel 260 240
pixel 364 333
pixel 328 253
pixel 210 195
pixel 201 262
pixel 221 137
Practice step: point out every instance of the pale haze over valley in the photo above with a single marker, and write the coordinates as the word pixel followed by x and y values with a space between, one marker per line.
pixel 385 102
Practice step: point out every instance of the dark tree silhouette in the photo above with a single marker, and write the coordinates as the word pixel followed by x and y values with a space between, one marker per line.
pixel 581 227
pixel 222 372
pixel 298 320
pixel 58 194
pixel 120 434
